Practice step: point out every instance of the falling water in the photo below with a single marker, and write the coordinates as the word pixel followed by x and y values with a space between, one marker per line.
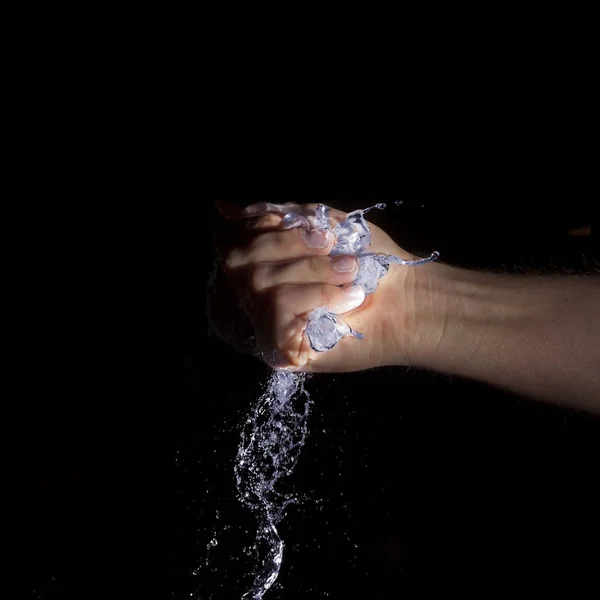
pixel 272 437
pixel 275 429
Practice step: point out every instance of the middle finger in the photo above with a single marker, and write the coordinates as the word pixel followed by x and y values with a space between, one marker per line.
pixel 279 246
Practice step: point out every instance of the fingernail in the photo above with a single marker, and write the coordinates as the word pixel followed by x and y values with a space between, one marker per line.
pixel 353 298
pixel 343 264
pixel 316 239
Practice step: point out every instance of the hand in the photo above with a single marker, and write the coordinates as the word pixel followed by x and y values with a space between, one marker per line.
pixel 281 276
pixel 536 336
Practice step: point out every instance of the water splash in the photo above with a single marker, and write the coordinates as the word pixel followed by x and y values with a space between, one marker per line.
pixel 272 438
pixel 275 429
pixel 210 545
pixel 353 236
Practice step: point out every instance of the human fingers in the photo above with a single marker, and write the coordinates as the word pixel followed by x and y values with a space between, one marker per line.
pixel 234 212
pixel 338 270
pixel 300 300
pixel 274 246
pixel 282 319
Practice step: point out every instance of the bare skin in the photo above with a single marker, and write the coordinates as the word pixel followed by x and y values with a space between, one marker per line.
pixel 539 336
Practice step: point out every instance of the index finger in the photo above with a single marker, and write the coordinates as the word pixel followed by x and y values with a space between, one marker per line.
pixel 234 212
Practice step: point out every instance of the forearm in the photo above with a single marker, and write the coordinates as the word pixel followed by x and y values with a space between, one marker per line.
pixel 535 335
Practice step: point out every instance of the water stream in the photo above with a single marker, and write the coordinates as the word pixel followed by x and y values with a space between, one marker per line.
pixel 276 427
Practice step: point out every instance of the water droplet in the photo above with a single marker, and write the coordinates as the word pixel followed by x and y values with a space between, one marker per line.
pixel 399 202
pixel 276 426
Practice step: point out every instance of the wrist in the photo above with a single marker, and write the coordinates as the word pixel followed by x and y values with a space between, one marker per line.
pixel 460 316
pixel 533 335
pixel 425 306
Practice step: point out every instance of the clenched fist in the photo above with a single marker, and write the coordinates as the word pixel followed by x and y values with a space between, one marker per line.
pixel 278 263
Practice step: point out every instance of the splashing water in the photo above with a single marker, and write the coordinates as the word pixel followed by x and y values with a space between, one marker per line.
pixel 275 430
pixel 272 438
pixel 353 236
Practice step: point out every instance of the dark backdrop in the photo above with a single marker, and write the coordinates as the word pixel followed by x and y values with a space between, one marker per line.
pixel 128 410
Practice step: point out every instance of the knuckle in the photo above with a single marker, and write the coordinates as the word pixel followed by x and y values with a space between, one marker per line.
pixel 230 259
pixel 259 277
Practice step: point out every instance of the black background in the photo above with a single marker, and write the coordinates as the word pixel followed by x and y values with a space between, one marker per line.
pixel 125 416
